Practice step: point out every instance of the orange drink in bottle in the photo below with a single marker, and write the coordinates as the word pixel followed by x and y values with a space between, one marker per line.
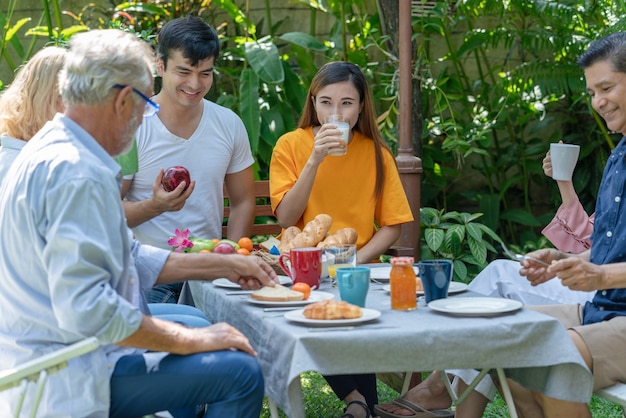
pixel 403 284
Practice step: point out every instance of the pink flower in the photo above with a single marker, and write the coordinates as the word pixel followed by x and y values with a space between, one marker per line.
pixel 181 241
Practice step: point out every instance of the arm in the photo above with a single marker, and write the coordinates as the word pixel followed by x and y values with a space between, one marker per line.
pixel 158 335
pixel 291 207
pixel 249 272
pixel 380 242
pixel 161 201
pixel 571 227
pixel 579 274
pixel 537 274
pixel 242 203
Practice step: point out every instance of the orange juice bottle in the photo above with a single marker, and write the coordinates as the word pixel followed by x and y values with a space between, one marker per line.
pixel 402 283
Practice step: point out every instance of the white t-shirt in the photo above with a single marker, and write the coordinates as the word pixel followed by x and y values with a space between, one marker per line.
pixel 219 146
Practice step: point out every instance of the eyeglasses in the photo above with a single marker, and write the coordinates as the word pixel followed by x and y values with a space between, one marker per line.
pixel 151 108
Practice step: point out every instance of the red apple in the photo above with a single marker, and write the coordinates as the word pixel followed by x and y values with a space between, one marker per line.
pixel 173 176
pixel 224 248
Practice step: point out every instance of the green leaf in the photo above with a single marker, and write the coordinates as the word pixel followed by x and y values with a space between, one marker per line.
pixel 460 270
pixel 474 231
pixel 434 238
pixel 264 60
pixel 478 249
pixel 304 40
pixel 452 241
pixel 520 216
pixel 249 106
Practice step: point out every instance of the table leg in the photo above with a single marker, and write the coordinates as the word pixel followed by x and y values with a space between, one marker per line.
pixel 506 392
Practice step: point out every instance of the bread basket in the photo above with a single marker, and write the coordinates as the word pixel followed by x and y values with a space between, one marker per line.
pixel 270 259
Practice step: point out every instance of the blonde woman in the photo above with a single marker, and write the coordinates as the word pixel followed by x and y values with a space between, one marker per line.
pixel 29 102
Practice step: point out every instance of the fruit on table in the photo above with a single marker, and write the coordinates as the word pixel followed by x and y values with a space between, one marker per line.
pixel 202 244
pixel 227 241
pixel 173 176
pixel 302 288
pixel 246 242
pixel 224 248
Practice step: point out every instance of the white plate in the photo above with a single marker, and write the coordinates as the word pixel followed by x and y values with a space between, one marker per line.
pixel 455 287
pixel 316 296
pixel 382 273
pixel 297 316
pixel 223 282
pixel 475 306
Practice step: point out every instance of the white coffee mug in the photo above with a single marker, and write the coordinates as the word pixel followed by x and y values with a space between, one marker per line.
pixel 564 158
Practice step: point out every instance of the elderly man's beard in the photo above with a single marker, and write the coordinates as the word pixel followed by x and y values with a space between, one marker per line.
pixel 129 133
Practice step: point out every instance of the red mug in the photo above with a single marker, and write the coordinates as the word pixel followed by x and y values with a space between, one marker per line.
pixel 306 265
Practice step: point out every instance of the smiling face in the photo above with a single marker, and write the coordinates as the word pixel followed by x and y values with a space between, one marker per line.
pixel 607 89
pixel 183 83
pixel 342 98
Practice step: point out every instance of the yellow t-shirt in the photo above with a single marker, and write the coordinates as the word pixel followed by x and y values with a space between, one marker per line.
pixel 344 186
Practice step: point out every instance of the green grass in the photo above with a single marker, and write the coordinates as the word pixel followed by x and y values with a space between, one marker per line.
pixel 321 402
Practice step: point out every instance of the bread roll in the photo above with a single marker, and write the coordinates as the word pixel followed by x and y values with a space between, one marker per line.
pixel 286 238
pixel 313 232
pixel 331 309
pixel 340 236
pixel 278 293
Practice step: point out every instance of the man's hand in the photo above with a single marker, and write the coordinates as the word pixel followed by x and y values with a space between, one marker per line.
pixel 251 272
pixel 535 272
pixel 578 274
pixel 220 336
pixel 164 201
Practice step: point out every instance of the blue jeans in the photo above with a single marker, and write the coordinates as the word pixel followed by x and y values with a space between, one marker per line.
pixel 229 381
pixel 163 293
pixel 189 316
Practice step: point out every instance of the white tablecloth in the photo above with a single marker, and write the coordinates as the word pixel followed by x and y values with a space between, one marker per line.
pixel 534 349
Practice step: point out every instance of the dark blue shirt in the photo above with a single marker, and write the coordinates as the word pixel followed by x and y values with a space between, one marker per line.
pixel 608 240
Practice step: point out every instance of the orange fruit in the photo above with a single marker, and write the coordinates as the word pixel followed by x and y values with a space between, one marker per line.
pixel 302 288
pixel 243 251
pixel 204 251
pixel 245 242
pixel 215 240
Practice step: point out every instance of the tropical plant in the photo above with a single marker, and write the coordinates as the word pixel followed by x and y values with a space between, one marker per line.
pixel 497 94
pixel 458 237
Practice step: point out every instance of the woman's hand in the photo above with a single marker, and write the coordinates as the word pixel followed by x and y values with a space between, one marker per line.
pixel 326 138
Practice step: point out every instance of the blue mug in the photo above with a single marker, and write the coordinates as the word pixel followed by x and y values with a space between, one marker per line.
pixel 353 283
pixel 435 276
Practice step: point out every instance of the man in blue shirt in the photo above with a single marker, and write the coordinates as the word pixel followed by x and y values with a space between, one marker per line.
pixel 598 328
pixel 71 270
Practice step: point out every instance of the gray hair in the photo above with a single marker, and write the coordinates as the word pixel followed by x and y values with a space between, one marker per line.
pixel 99 59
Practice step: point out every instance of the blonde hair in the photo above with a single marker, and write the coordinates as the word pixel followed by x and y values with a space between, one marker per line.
pixel 32 98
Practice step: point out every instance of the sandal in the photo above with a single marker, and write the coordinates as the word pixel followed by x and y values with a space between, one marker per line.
pixel 360 403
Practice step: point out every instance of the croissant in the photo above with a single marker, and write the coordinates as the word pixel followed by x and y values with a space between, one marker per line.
pixel 331 309
pixel 340 236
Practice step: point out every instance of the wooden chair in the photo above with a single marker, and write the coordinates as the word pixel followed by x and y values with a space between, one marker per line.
pixel 38 370
pixel 264 222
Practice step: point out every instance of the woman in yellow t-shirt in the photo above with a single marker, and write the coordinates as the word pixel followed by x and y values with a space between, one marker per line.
pixel 360 189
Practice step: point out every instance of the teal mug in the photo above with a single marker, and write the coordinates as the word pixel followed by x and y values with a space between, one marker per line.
pixel 353 283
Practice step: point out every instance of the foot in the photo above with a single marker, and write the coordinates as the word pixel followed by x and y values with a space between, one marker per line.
pixel 356 409
pixel 430 394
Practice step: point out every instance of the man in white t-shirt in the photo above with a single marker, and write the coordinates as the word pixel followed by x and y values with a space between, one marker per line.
pixel 209 140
